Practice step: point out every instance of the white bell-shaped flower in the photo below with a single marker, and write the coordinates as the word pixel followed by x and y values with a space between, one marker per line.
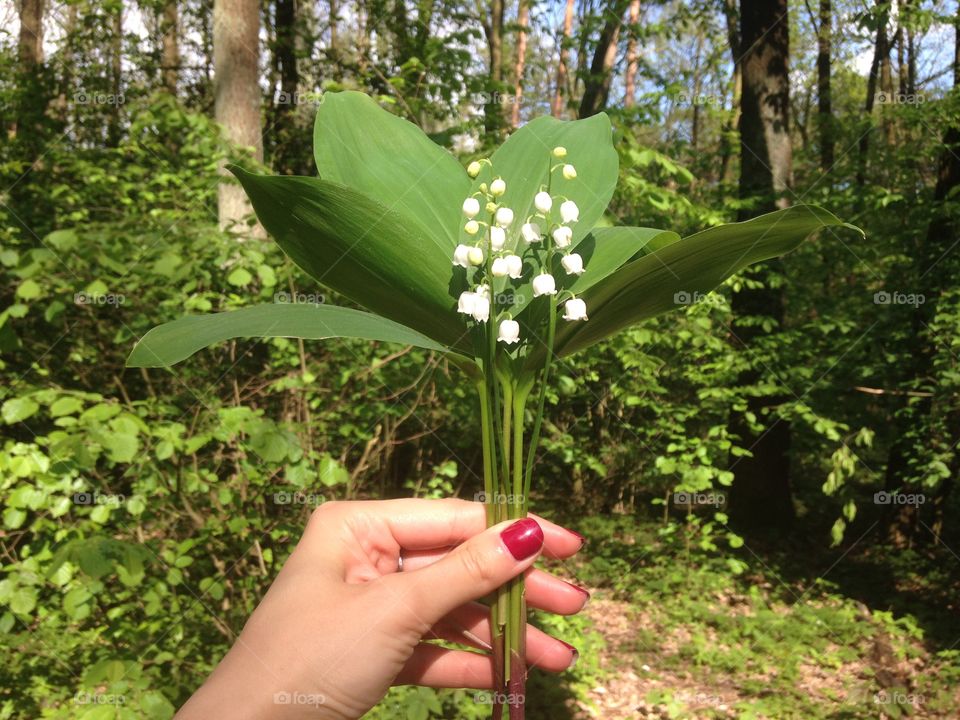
pixel 572 263
pixel 544 284
pixel 514 266
pixel 569 172
pixel 575 309
pixel 472 227
pixel 481 308
pixel 498 187
pixel 497 238
pixel 504 217
pixel 471 206
pixel 569 212
pixel 475 256
pixel 461 256
pixel 499 267
pixel 563 236
pixel 530 232
pixel 509 332
pixel 543 202
pixel 483 291
pixel 466 302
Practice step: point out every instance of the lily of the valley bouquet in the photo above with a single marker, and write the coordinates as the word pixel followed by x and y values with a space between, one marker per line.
pixel 503 266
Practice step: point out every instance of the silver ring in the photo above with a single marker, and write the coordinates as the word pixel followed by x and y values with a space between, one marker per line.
pixel 399 562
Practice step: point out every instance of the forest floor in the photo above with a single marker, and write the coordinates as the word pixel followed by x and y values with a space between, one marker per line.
pixel 694 640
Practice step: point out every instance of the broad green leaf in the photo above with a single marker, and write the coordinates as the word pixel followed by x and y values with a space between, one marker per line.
pixel 18 409
pixel 524 161
pixel 377 257
pixel 695 265
pixel 358 144
pixel 174 341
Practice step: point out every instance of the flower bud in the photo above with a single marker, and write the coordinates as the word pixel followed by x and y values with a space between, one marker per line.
pixel 509 332
pixel 504 217
pixel 499 267
pixel 475 256
pixel 573 264
pixel 543 202
pixel 491 207
pixel 471 206
pixel 562 236
pixel 498 187
pixel 474 168
pixel 461 255
pixel 569 212
pixel 544 284
pixel 530 232
pixel 497 238
pixel 569 172
pixel 575 309
pixel 472 227
pixel 559 152
pixel 481 308
pixel 514 266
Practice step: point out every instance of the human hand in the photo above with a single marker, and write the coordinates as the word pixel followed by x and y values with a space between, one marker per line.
pixel 341 623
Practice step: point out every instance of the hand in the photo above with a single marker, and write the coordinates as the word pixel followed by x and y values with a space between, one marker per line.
pixel 340 624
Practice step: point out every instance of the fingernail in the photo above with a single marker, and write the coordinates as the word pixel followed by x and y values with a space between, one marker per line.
pixel 578 536
pixel 586 593
pixel 576 654
pixel 523 538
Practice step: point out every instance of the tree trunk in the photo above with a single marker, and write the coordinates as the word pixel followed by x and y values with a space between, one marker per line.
pixel 31 34
pixel 824 101
pixel 116 77
pixel 30 56
pixel 630 81
pixel 730 129
pixel 761 494
pixel 493 108
pixel 523 20
pixel 881 51
pixel 236 28
pixel 170 51
pixel 285 58
pixel 597 87
pixel 563 63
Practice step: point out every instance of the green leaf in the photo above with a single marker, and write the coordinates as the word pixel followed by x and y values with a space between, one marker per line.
pixel 65 406
pixel 175 341
pixel 28 290
pixel 332 472
pixel 239 277
pixel 358 144
pixel 23 600
pixel 18 409
pixel 694 265
pixel 374 256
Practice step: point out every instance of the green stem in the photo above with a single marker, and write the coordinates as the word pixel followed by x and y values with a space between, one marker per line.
pixel 541 401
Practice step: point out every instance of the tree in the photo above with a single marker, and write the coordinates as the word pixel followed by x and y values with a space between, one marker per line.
pixel 563 62
pixel 824 102
pixel 170 46
pixel 630 81
pixel 236 28
pixel 493 30
pixel 761 492
pixel 597 86
pixel 282 131
pixel 523 22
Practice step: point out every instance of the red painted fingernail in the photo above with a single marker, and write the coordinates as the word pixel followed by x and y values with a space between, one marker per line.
pixel 586 593
pixel 576 653
pixel 578 536
pixel 523 538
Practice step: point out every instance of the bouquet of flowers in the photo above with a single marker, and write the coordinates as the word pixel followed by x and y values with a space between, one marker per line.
pixel 503 266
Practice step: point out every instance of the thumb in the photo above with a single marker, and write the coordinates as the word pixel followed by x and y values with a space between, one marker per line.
pixel 474 569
